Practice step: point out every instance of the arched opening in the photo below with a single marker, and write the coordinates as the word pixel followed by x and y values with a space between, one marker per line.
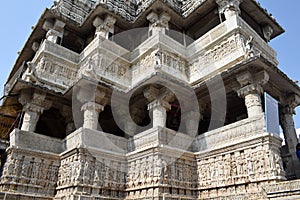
pixel 108 124
pixel 174 116
pixel 52 124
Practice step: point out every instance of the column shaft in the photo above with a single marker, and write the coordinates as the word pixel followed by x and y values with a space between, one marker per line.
pixel 91 112
pixel 159 112
pixel 30 120
pixel 253 104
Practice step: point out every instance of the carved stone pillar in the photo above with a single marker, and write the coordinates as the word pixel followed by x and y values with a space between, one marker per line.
pixel 159 109
pixel 252 95
pixel 67 113
pixel 93 102
pixel 125 119
pixel 191 121
pixel 158 23
pixel 251 90
pixel 55 31
pixel 31 116
pixel 33 106
pixel 91 112
pixel 289 131
pixel 229 7
pixel 159 104
pixel 104 27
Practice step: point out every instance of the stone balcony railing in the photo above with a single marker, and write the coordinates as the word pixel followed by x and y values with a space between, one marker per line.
pixel 33 141
pixel 95 140
pixel 231 134
pixel 55 66
pixel 106 61
pixel 224 46
pixel 160 137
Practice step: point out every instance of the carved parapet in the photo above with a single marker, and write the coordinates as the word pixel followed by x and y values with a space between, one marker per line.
pixel 81 171
pixel 28 172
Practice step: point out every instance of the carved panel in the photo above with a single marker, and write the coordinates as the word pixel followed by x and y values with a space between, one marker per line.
pixel 216 57
pixel 102 66
pixel 30 173
pixel 83 172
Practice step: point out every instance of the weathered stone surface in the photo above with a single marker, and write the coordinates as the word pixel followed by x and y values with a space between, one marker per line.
pixel 70 82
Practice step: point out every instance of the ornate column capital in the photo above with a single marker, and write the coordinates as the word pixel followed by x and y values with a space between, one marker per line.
pixel 90 93
pixel 159 103
pixel 33 106
pixel 35 102
pixel 92 106
pixel 229 7
pixel 290 103
pixel 158 97
pixel 54 30
pixel 151 93
pixel 247 78
pixel 250 89
pixel 159 22
pixel 103 27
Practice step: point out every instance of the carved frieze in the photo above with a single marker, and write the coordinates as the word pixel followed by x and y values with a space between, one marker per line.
pixel 240 167
pixel 101 176
pixel 30 173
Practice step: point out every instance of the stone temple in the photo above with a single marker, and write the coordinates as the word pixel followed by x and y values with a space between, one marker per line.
pixel 153 99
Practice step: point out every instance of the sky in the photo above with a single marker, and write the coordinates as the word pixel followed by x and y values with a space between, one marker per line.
pixel 17 18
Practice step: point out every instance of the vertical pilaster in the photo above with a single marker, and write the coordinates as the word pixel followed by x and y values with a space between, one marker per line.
pixel 93 103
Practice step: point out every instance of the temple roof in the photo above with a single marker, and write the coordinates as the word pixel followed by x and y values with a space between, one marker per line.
pixel 78 10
